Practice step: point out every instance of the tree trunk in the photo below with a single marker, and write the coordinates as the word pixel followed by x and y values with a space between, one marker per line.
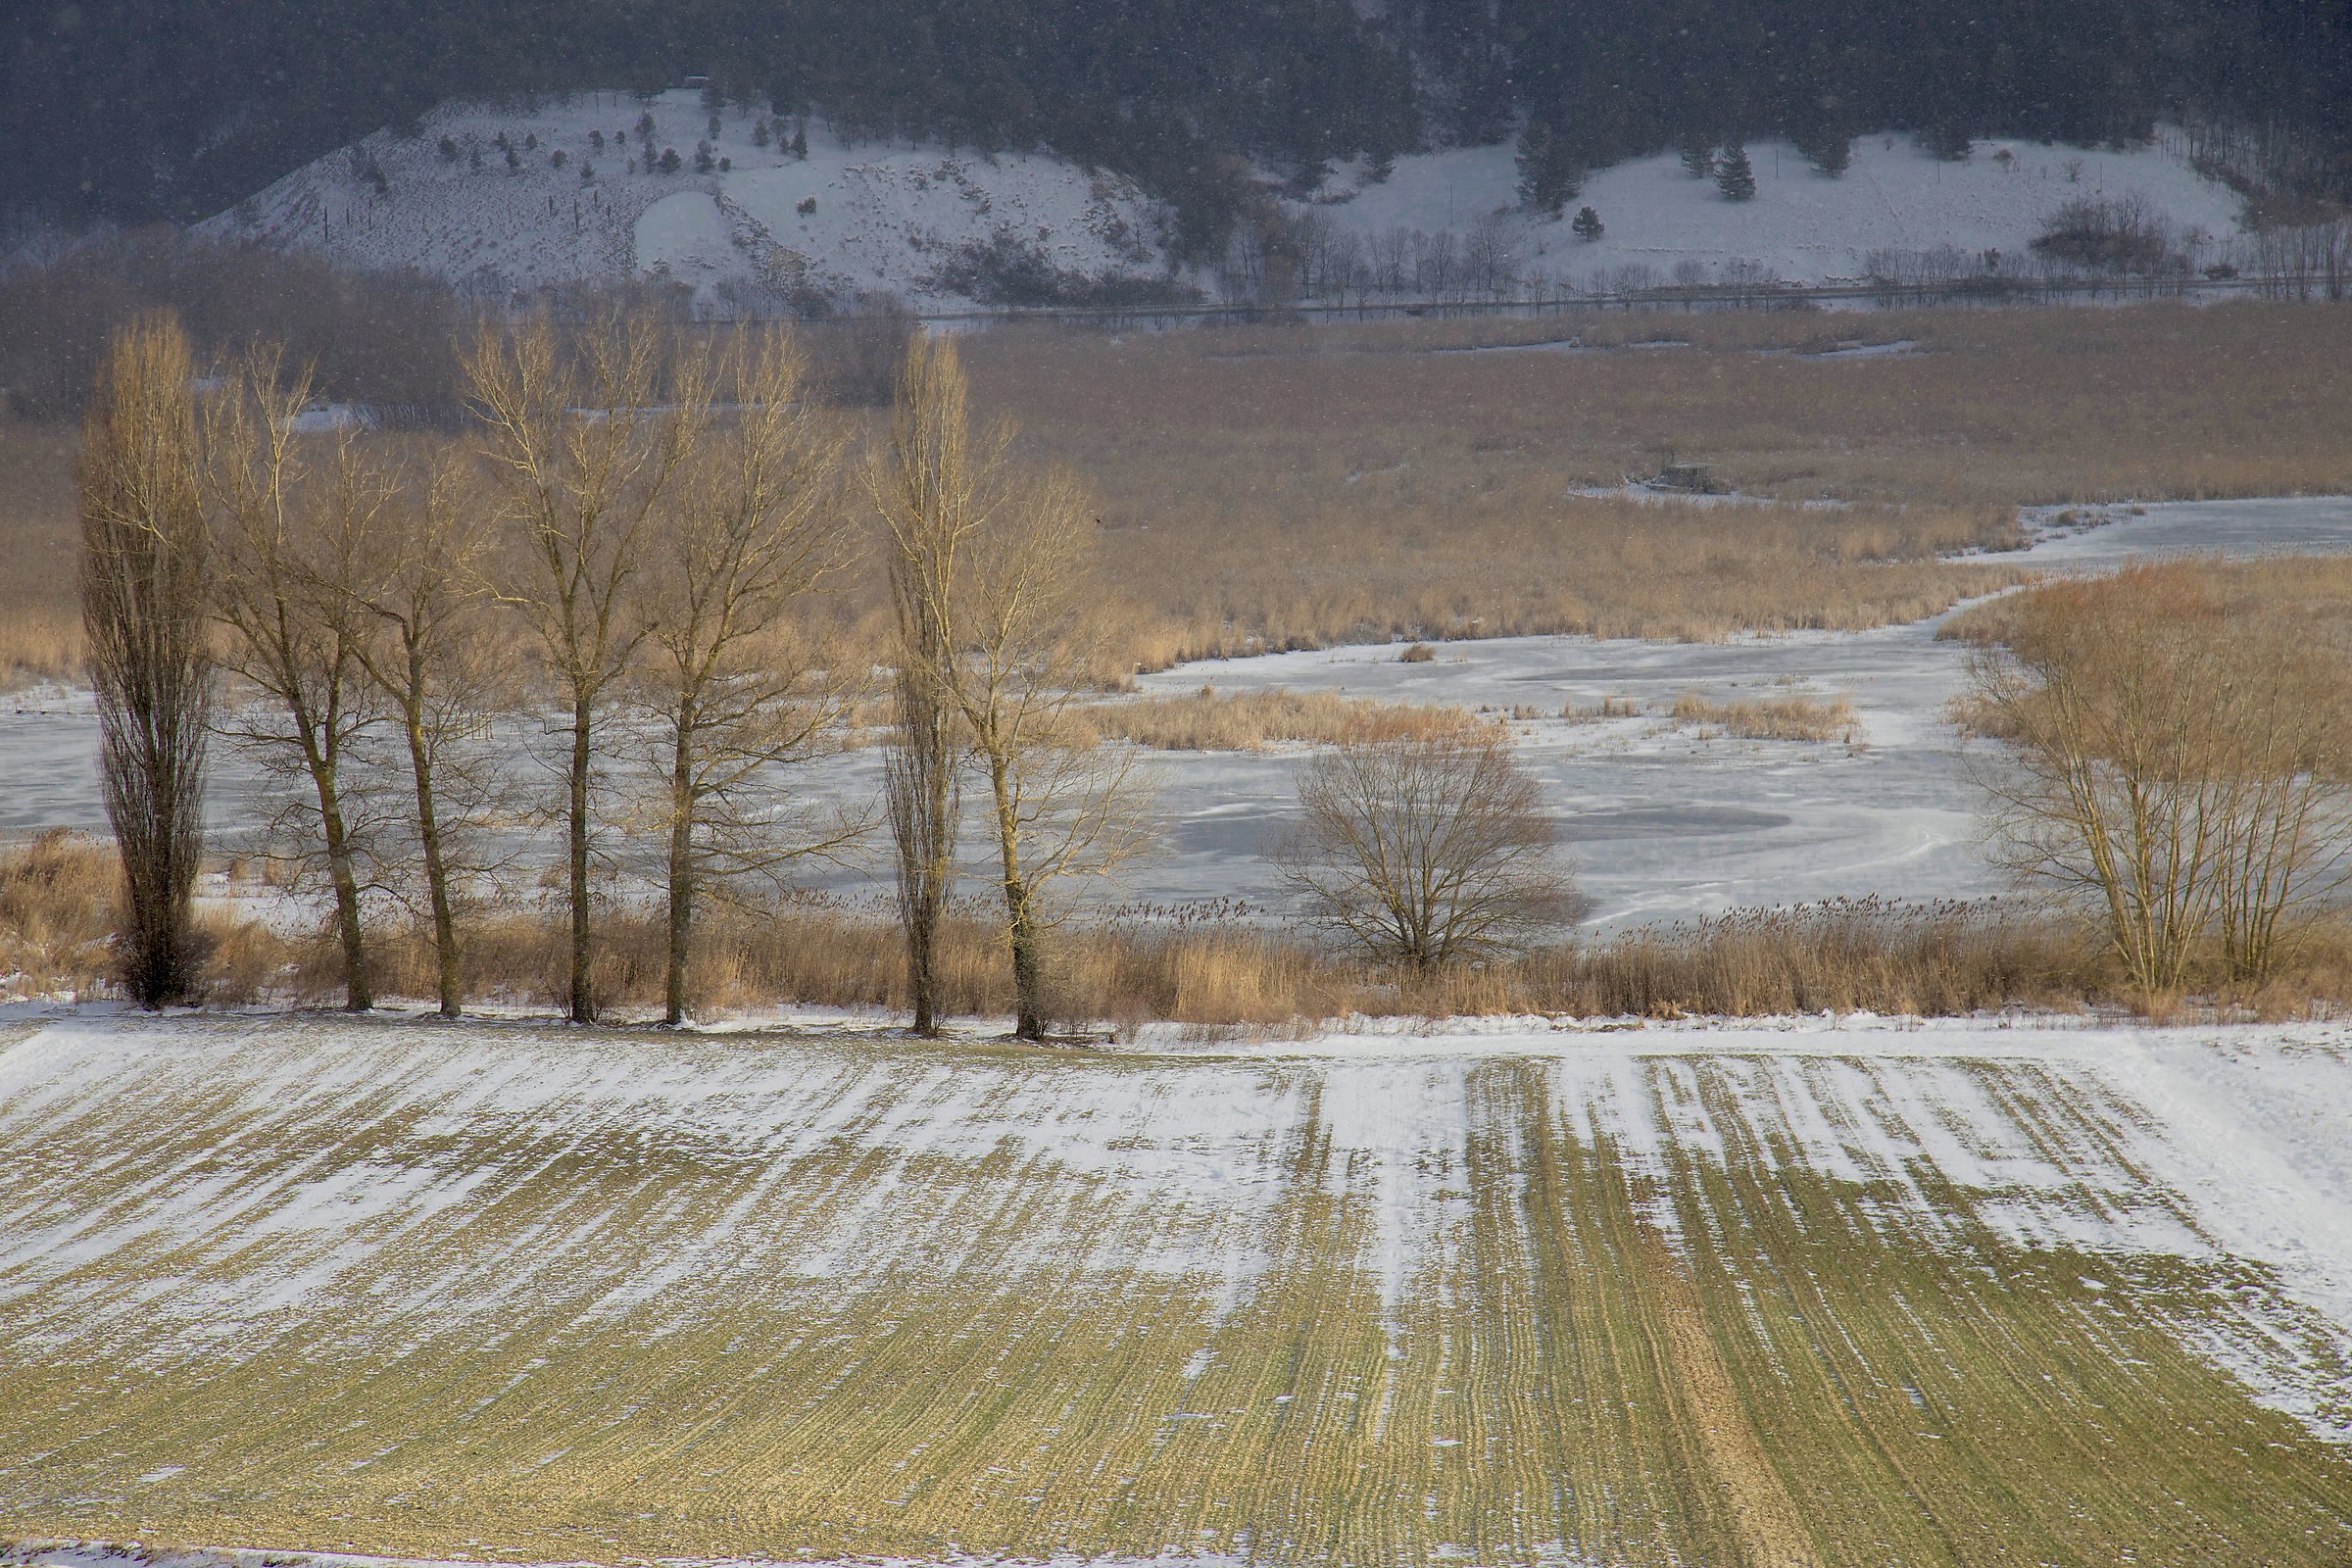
pixel 322 753
pixel 358 995
pixel 583 1001
pixel 1021 915
pixel 682 864
pixel 428 837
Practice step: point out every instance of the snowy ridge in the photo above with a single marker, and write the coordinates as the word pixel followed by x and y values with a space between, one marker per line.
pixel 1802 226
pixel 768 227
pixel 762 228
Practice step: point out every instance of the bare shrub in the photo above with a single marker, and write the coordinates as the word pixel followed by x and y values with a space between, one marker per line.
pixel 58 898
pixel 1416 653
pixel 1425 851
pixel 2172 775
pixel 2109 234
pixel 143 587
pixel 1208 720
pixel 1769 719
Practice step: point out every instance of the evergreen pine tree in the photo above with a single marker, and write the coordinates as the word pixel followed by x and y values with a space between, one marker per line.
pixel 800 141
pixel 1697 154
pixel 1828 150
pixel 596 140
pixel 1383 164
pixel 449 149
pixel 669 160
pixel 1547 173
pixel 1587 224
pixel 1733 175
pixel 703 160
pixel 644 126
pixel 1948 141
pixel 759 132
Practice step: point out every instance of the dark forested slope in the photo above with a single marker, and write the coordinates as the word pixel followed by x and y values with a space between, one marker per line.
pixel 138 109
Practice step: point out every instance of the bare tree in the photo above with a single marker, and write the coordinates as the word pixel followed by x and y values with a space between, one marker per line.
pixel 1426 851
pixel 734 693
pixel 584 450
pixel 2287 811
pixel 1061 806
pixel 143 605
pixel 285 533
pixel 925 491
pixel 422 589
pixel 990 569
pixel 2172 776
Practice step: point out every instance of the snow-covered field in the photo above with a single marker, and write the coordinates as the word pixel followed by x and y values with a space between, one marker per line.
pixel 850 218
pixel 1797 1292
pixel 1661 822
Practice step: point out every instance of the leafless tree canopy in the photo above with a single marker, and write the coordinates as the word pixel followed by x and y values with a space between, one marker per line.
pixel 1426 851
pixel 988 573
pixel 583 440
pixel 2175 779
pixel 292 518
pixel 143 571
pixel 731 684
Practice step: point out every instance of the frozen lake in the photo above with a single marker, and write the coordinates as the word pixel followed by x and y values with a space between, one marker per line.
pixel 1660 823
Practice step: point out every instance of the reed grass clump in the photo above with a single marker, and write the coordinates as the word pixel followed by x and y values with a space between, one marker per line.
pixel 1794 718
pixel 1210 721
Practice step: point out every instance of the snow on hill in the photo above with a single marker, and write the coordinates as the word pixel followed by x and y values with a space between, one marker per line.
pixel 502 200
pixel 549 205
pixel 1801 227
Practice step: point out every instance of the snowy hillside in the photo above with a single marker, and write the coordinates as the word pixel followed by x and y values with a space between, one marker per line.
pixel 502 201
pixel 577 191
pixel 1801 226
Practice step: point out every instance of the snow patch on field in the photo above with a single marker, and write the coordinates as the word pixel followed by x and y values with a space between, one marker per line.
pixel 319 1163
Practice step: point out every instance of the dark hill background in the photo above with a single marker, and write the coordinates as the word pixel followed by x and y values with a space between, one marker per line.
pixel 131 110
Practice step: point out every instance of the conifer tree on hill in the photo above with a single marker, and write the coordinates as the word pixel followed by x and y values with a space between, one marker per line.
pixel 1733 175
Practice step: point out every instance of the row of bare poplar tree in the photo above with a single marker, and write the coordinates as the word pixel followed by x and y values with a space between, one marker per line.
pixel 655 514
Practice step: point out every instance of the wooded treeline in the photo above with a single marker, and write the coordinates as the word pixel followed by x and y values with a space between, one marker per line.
pixel 620 553
pixel 142 109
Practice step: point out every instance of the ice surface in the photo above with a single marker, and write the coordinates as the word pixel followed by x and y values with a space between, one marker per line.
pixel 1660 823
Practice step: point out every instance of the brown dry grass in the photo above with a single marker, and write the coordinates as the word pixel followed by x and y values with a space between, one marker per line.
pixel 1771 718
pixel 57 910
pixel 1275 487
pixel 1996 407
pixel 41 618
pixel 2313 594
pixel 1238 721
pixel 60 893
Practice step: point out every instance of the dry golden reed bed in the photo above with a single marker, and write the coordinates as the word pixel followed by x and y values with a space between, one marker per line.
pixel 1285 487
pixel 1186 967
